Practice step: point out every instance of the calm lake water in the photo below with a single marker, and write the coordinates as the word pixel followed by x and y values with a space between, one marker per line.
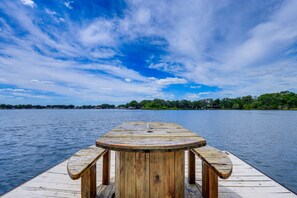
pixel 32 141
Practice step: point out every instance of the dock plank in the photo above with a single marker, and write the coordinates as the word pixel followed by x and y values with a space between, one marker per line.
pixel 245 181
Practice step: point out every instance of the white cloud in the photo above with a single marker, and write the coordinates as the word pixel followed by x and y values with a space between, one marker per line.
pixel 170 81
pixel 30 95
pixel 103 53
pixel 14 90
pixel 246 54
pixel 238 62
pixel 167 66
pixel 41 81
pixel 114 70
pixel 50 12
pixel 54 15
pixel 29 3
pixel 282 31
pixel 69 79
pixel 3 79
pixel 68 4
pixel 204 93
pixel 195 86
pixel 98 33
pixel 192 96
pixel 143 16
pixel 105 88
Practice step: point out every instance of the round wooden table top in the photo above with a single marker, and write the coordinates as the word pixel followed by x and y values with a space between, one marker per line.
pixel 150 137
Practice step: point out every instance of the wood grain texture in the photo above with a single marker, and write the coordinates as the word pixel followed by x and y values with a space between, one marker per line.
pixel 191 167
pixel 163 174
pixel 205 179
pixel 213 184
pixel 179 173
pixel 209 182
pixel 125 174
pixel 83 160
pixel 106 169
pixel 130 174
pixel 245 181
pixel 118 175
pixel 157 174
pixel 169 161
pixel 142 175
pixel 217 160
pixel 150 137
pixel 88 183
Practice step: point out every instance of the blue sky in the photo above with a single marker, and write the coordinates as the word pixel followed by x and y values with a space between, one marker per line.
pixel 92 52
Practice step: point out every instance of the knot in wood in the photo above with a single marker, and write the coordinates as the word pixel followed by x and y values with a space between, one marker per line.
pixel 157 178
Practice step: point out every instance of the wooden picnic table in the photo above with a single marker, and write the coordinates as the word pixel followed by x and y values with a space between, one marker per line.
pixel 150 159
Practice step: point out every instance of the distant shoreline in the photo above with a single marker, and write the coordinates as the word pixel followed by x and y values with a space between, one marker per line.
pixel 284 100
pixel 293 109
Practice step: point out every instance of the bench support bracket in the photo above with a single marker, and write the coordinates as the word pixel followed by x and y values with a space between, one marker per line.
pixel 106 169
pixel 88 183
pixel 209 182
pixel 191 167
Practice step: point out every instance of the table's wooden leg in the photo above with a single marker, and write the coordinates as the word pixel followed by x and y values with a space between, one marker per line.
pixel 106 169
pixel 159 174
pixel 88 183
pixel 191 167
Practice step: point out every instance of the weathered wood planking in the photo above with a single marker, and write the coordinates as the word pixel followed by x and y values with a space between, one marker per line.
pixel 245 181
pixel 149 137
pixel 83 165
pixel 82 160
pixel 142 166
pixel 215 163
pixel 217 160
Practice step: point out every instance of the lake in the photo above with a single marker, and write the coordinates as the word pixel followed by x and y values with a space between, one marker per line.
pixel 33 141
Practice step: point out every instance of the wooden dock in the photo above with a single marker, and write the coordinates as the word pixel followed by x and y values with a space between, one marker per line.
pixel 245 181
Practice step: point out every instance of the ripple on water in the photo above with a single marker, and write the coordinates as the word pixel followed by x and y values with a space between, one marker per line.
pixel 33 141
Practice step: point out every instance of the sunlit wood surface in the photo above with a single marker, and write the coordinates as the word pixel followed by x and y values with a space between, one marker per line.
pixel 245 181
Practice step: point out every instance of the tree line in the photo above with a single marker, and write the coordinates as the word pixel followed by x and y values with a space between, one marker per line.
pixel 30 106
pixel 283 101
pixel 273 101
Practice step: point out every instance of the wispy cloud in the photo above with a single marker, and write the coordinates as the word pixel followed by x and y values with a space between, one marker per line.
pixel 138 50
pixel 257 56
pixel 99 33
pixel 29 3
pixel 128 80
pixel 14 90
pixel 41 81
pixel 170 81
pixel 195 86
pixel 68 4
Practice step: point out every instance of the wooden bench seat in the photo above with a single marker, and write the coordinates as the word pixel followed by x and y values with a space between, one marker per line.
pixel 83 165
pixel 215 163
